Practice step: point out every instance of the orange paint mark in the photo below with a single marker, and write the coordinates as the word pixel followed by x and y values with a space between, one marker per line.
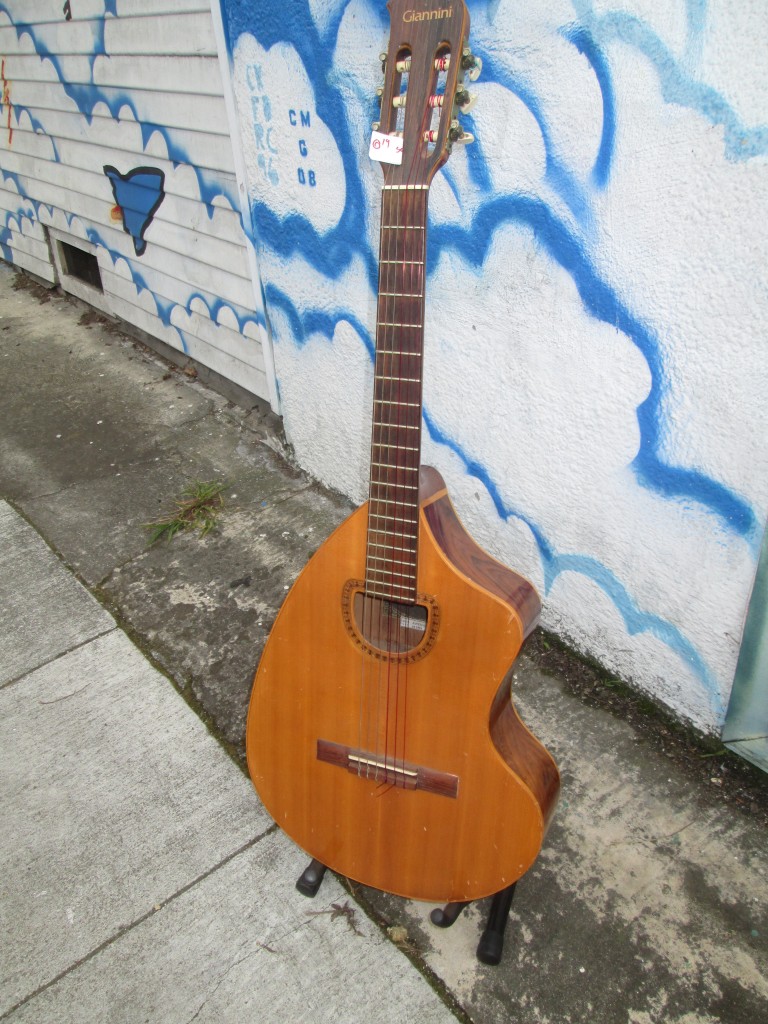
pixel 116 214
pixel 7 101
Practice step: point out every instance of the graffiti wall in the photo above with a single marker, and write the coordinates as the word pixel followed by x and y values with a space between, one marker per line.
pixel 115 148
pixel 596 300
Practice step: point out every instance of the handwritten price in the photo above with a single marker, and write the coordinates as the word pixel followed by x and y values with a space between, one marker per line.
pixel 388 149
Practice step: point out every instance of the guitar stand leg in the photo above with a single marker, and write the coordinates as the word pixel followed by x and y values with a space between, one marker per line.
pixel 445 916
pixel 491 944
pixel 311 877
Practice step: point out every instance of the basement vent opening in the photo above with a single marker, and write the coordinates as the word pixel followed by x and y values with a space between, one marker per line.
pixel 80 264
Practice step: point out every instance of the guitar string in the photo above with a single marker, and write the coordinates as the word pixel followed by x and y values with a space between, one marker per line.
pixel 386 358
pixel 372 689
pixel 394 442
pixel 369 601
pixel 413 245
pixel 413 232
pixel 397 247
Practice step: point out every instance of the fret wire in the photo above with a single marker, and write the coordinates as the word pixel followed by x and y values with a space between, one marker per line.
pixel 403 262
pixel 400 447
pixel 392 547
pixel 390 572
pixel 412 487
pixel 398 426
pixel 400 380
pixel 389 465
pixel 388 501
pixel 391 401
pixel 385 323
pixel 391 561
pixel 393 187
pixel 402 295
pixel 401 505
pixel 392 519
pixel 370 592
pixel 403 227
pixel 397 352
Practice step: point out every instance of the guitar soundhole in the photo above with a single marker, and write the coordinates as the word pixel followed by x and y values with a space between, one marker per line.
pixel 389 626
pixel 389 629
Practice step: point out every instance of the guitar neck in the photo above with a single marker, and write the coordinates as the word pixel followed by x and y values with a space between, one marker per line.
pixel 393 513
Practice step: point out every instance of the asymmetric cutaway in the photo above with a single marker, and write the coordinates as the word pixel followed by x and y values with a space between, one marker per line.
pixel 381 736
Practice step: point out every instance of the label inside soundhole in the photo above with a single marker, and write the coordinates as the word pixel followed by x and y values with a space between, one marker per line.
pixel 389 626
pixel 389 629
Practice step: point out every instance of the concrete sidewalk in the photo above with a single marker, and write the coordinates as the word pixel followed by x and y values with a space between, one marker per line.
pixel 141 881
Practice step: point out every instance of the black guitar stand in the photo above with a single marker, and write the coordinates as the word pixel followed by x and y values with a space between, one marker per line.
pixel 491 944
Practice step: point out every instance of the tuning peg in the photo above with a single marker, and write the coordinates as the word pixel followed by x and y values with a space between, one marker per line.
pixel 457 134
pixel 465 100
pixel 471 64
pixel 383 59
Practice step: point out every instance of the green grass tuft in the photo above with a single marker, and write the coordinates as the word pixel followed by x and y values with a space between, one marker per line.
pixel 197 509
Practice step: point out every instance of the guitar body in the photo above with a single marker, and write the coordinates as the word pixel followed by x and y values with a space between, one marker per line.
pixel 407 771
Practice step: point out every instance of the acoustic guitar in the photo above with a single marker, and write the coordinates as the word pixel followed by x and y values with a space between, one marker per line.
pixel 381 736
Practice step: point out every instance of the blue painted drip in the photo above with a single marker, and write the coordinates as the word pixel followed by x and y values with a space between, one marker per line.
pixel 602 302
pixel 32 214
pixel 586 45
pixel 479 174
pixel 635 620
pixel 561 179
pixel 315 321
pixel 696 13
pixel 677 86
pixel 5 240
pixel 451 183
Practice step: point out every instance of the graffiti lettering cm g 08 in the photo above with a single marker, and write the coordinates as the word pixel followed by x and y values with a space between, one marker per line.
pixel 302 119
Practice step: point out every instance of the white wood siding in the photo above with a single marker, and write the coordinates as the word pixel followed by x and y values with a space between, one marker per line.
pixel 137 85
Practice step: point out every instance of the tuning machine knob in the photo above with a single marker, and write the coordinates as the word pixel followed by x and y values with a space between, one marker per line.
pixel 383 59
pixel 458 136
pixel 471 64
pixel 465 100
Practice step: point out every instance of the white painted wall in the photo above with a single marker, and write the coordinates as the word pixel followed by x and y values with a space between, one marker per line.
pixel 596 372
pixel 130 84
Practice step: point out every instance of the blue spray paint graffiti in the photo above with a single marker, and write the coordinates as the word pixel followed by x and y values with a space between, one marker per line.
pixel 678 85
pixel 559 235
pixel 586 45
pixel 139 194
pixel 87 95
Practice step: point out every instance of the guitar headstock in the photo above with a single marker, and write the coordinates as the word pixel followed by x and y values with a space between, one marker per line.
pixel 424 89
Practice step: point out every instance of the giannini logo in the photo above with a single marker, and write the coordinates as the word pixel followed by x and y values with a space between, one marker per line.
pixel 442 12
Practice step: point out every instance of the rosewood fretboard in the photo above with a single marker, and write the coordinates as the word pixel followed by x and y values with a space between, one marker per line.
pixel 393 514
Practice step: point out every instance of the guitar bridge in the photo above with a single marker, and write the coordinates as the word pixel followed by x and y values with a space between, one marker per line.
pixel 402 774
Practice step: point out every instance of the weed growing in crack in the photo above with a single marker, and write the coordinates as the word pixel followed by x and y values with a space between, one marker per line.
pixel 197 509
